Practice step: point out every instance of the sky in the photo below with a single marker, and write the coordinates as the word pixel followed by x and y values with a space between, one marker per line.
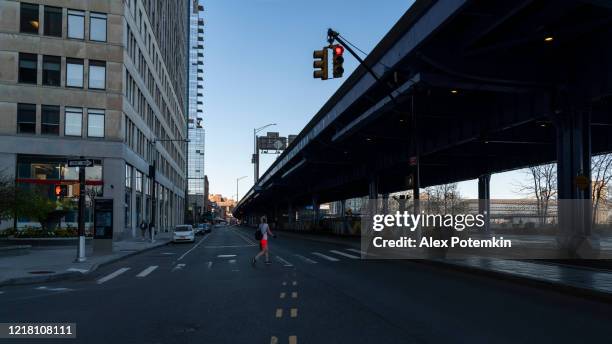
pixel 258 70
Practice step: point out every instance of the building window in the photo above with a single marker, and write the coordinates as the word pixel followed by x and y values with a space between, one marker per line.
pixel 95 123
pixel 97 74
pixel 29 18
pixel 74 121
pixel 51 70
pixel 53 21
pixel 26 118
pixel 76 24
pixel 74 72
pixel 28 68
pixel 50 120
pixel 97 27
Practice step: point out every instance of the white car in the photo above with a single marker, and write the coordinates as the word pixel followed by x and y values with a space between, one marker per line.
pixel 183 233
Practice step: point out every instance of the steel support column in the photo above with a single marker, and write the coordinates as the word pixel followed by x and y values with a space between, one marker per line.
pixel 315 210
pixel 484 198
pixel 574 183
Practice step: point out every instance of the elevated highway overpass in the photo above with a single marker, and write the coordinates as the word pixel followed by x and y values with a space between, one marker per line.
pixel 478 87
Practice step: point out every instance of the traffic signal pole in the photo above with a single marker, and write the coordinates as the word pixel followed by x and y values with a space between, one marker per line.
pixel 335 36
pixel 81 247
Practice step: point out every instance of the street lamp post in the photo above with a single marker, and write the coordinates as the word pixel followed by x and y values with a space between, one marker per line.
pixel 256 152
pixel 237 180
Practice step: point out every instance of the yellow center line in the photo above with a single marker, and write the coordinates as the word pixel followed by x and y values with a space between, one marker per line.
pixel 274 340
pixel 282 295
pixel 279 312
pixel 292 339
pixel 294 312
pixel 294 295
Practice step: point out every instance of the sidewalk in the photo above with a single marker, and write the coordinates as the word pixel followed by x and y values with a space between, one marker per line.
pixel 53 263
pixel 574 279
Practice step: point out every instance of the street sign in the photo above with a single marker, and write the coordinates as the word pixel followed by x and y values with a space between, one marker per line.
pixel 80 163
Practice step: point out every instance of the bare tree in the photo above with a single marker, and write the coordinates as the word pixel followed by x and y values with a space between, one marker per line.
pixel 542 185
pixel 444 198
pixel 601 171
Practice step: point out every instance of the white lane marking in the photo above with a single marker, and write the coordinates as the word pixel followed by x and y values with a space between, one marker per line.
pixel 306 259
pixel 210 264
pixel 147 271
pixel 232 261
pixel 286 263
pixel 112 275
pixel 78 270
pixel 193 248
pixel 178 267
pixel 52 289
pixel 361 252
pixel 1 292
pixel 331 259
pixel 226 255
pixel 344 254
pixel 168 253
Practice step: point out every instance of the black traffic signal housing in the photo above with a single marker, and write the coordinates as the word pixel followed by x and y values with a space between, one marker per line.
pixel 61 190
pixel 338 60
pixel 320 64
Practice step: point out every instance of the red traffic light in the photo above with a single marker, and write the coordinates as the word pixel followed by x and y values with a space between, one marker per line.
pixel 58 190
pixel 338 50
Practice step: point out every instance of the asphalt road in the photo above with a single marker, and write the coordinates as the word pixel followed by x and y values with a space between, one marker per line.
pixel 314 292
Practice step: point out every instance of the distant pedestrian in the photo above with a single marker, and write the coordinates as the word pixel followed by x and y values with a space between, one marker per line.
pixel 262 235
pixel 143 229
pixel 151 229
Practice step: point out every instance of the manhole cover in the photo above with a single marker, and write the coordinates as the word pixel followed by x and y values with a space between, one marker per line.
pixel 40 272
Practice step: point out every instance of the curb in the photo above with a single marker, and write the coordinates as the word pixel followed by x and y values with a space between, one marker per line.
pixel 514 278
pixel 523 280
pixel 73 274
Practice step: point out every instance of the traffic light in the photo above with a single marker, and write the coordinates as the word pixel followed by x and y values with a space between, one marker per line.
pixel 61 190
pixel 338 60
pixel 320 64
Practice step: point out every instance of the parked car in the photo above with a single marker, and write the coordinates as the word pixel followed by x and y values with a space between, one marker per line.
pixel 184 233
pixel 203 228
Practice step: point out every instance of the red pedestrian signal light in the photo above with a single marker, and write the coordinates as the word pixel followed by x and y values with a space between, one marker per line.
pixel 338 60
pixel 61 190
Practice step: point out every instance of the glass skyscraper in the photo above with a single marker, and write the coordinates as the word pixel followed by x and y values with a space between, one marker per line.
pixel 196 132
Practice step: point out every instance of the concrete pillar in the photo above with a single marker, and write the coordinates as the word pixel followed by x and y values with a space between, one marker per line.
pixel 416 186
pixel 573 182
pixel 343 217
pixel 315 209
pixel 484 198
pixel 290 216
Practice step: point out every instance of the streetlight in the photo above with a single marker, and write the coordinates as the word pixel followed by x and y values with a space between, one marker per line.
pixel 237 180
pixel 256 153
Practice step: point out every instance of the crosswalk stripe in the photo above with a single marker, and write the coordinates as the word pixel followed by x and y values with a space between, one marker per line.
pixel 286 263
pixel 306 259
pixel 331 259
pixel 210 264
pixel 344 254
pixel 112 275
pixel 178 267
pixel 147 271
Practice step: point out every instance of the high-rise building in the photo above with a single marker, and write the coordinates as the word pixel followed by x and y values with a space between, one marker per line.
pixel 196 131
pixel 105 80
